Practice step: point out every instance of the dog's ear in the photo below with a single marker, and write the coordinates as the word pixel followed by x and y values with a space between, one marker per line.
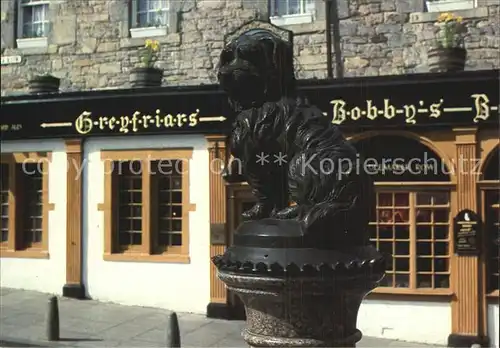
pixel 281 78
pixel 225 56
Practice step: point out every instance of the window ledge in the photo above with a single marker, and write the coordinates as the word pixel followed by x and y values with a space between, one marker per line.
pixel 138 257
pixel 424 17
pixel 133 42
pixel 292 19
pixel 450 5
pixel 494 294
pixel 487 184
pixel 37 42
pixel 148 32
pixel 25 254
pixel 417 294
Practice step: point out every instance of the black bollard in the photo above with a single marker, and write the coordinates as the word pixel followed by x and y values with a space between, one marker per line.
pixel 173 333
pixel 53 320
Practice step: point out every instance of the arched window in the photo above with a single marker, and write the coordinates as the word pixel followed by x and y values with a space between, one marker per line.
pixel 412 219
pixel 490 185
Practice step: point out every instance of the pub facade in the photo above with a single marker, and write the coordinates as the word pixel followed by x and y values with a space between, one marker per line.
pixel 117 196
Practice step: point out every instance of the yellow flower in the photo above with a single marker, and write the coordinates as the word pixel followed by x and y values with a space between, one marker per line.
pixel 148 43
pixel 442 17
pixel 155 45
pixel 448 17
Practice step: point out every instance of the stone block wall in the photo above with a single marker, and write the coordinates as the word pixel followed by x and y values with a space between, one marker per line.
pixel 393 37
pixel 89 46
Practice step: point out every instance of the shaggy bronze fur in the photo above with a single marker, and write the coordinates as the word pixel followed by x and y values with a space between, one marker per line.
pixel 322 173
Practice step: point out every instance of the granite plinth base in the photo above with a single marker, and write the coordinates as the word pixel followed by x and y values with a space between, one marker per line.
pixel 300 312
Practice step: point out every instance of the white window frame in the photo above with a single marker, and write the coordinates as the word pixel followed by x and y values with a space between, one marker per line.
pixel 149 31
pixel 450 5
pixel 306 14
pixel 31 42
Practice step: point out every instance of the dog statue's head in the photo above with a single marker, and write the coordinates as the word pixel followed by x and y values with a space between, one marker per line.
pixel 256 67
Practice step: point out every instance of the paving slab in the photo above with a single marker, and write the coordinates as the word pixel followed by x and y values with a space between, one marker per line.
pixel 87 323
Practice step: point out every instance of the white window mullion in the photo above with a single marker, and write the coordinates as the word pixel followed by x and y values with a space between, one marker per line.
pixel 39 22
pixel 43 9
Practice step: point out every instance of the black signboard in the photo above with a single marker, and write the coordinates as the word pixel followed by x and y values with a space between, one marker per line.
pixel 468 98
pixel 119 112
pixel 465 98
pixel 467 226
pixel 399 159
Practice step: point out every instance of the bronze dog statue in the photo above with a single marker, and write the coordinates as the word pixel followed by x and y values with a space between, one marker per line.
pixel 321 174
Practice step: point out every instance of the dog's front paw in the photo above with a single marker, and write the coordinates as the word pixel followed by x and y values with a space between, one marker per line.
pixel 257 212
pixel 288 213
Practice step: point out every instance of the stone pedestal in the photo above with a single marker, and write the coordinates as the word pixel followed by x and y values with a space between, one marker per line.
pixel 296 295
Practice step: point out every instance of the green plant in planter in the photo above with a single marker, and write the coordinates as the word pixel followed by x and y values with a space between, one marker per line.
pixel 450 31
pixel 44 83
pixel 147 75
pixel 149 53
pixel 449 53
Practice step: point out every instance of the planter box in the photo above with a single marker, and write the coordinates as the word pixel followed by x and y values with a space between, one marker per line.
pixel 450 5
pixel 148 32
pixel 446 59
pixel 44 84
pixel 146 77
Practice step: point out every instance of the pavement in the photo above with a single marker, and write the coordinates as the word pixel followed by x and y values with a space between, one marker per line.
pixel 87 323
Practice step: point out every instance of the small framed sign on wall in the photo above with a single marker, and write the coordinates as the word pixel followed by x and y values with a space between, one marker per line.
pixel 6 60
pixel 467 231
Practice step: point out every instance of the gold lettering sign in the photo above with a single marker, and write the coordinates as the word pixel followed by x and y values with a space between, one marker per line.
pixel 87 122
pixel 342 112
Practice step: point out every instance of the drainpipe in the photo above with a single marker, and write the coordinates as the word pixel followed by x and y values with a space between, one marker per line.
pixel 333 36
pixel 336 39
pixel 328 33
